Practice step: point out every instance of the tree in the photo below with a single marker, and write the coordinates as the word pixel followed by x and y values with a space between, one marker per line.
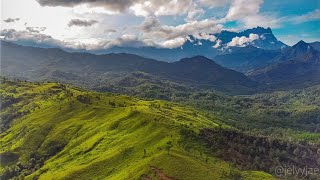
pixel 169 145
pixel 112 104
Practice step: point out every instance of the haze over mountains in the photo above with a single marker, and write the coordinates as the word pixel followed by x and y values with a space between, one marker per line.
pixel 36 64
pixel 208 45
pixel 268 62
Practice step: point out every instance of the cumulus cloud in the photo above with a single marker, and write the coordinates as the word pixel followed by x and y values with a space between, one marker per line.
pixel 176 36
pixel 126 40
pixel 137 7
pixel 205 36
pixel 243 41
pixel 29 38
pixel 79 22
pixel 183 30
pixel 162 7
pixel 10 20
pixel 243 8
pixel 194 13
pixel 218 44
pixel 174 43
pixel 150 24
pixel 114 5
pixel 247 12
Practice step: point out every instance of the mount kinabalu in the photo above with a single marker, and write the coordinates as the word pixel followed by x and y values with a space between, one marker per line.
pixel 298 66
pixel 205 46
pixel 92 70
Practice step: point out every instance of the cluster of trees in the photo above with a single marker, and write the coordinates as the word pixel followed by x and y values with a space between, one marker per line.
pixel 11 109
pixel 295 109
pixel 260 153
pixel 85 99
pixel 19 170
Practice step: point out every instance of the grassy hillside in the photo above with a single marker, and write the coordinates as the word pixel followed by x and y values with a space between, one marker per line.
pixel 54 131
pixel 290 115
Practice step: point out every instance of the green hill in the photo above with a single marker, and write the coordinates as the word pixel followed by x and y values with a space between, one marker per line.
pixel 55 131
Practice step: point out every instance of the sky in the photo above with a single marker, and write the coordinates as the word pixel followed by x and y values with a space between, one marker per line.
pixel 100 24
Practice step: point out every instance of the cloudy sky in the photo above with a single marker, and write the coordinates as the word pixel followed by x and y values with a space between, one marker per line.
pixel 98 24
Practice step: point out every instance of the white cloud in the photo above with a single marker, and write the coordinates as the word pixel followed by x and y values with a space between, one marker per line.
pixel 175 36
pixel 148 8
pixel 243 8
pixel 218 44
pixel 194 13
pixel 32 38
pixel 149 24
pixel 205 36
pixel 174 43
pixel 248 13
pixel 114 5
pixel 311 16
pixel 162 7
pixel 126 40
pixel 189 28
pixel 243 41
pixel 108 30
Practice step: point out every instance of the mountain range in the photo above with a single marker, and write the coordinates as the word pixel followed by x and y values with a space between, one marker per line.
pixel 263 64
pixel 207 116
pixel 297 66
pixel 195 46
pixel 91 70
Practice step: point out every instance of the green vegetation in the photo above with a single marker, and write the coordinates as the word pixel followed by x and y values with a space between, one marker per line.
pixel 57 131
pixel 261 153
pixel 291 115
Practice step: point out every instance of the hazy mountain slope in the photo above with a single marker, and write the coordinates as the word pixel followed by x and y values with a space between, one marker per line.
pixel 247 58
pixel 298 66
pixel 202 71
pixel 69 133
pixel 91 70
pixel 315 45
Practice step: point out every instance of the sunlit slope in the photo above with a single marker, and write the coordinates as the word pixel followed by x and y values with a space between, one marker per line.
pixel 62 132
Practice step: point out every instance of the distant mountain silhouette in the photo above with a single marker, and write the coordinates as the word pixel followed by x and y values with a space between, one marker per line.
pixel 316 45
pixel 297 66
pixel 245 59
pixel 90 70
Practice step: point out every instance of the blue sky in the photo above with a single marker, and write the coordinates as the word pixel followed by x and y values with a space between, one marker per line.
pixel 291 32
pixel 102 24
